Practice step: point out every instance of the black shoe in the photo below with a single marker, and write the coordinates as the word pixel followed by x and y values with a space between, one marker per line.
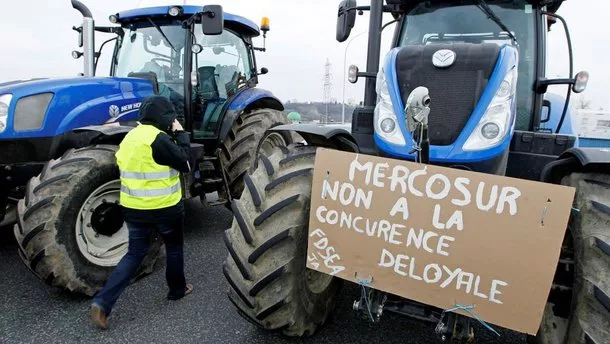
pixel 187 290
pixel 98 317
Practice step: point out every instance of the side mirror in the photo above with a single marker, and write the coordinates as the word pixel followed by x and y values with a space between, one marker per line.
pixel 346 20
pixel 546 104
pixel 212 20
pixel 580 82
pixel 264 71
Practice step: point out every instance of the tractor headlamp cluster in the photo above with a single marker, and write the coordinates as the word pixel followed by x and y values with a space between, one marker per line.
pixel 385 120
pixel 5 102
pixel 496 123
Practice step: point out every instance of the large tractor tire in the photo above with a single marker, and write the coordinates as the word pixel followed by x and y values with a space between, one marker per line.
pixel 267 244
pixel 70 229
pixel 578 311
pixel 249 136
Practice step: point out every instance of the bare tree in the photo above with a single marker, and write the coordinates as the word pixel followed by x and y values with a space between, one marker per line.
pixel 581 103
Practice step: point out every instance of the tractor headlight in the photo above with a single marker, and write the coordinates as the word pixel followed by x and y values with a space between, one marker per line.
pixel 5 102
pixel 386 125
pixel 496 123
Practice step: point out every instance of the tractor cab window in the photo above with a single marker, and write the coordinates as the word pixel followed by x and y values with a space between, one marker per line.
pixel 157 53
pixel 223 67
pixel 426 24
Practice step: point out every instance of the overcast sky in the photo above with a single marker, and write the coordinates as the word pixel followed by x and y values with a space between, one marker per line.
pixel 37 41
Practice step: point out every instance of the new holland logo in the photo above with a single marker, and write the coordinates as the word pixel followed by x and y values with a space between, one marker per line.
pixel 114 111
pixel 444 58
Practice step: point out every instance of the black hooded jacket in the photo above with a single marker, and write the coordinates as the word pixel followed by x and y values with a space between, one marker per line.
pixel 170 148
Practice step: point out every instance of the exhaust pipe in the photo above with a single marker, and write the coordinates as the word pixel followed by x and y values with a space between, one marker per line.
pixel 88 32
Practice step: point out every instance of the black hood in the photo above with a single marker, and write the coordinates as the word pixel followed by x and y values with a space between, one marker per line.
pixel 158 111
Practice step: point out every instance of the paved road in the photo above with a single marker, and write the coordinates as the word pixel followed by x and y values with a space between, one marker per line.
pixel 30 312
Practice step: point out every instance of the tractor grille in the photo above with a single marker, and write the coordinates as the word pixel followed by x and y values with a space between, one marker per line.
pixel 454 91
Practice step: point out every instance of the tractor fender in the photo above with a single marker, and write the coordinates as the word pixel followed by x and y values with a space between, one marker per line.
pixel 87 136
pixel 577 160
pixel 330 136
pixel 247 100
pixel 104 134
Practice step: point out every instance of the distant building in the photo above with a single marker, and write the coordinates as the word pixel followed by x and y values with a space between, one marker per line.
pixel 593 123
pixel 593 127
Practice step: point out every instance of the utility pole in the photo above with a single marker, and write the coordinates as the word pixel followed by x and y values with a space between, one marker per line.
pixel 328 84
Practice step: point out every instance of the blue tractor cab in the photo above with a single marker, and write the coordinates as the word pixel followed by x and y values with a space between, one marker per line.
pixel 58 136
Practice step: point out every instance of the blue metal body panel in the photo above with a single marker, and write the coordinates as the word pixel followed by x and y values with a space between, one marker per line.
pixel 249 96
pixel 453 153
pixel 587 142
pixel 82 102
pixel 78 102
pixel 188 11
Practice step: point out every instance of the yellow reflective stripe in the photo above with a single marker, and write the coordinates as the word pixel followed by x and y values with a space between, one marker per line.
pixel 150 193
pixel 149 175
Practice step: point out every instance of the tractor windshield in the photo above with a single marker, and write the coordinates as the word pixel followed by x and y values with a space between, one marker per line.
pixel 426 24
pixel 155 50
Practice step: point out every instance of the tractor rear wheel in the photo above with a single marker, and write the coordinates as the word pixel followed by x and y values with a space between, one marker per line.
pixel 248 136
pixel 578 310
pixel 267 243
pixel 70 229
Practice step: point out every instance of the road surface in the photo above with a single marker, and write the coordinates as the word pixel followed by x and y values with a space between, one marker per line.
pixel 31 312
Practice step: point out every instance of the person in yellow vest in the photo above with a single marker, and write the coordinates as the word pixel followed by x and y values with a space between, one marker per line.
pixel 150 160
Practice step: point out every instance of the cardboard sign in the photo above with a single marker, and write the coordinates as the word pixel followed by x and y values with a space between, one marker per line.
pixel 439 236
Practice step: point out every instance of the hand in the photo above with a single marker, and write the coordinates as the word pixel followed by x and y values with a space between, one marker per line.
pixel 176 126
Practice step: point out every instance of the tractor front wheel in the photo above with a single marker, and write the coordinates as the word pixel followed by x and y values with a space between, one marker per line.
pixel 249 136
pixel 70 229
pixel 578 310
pixel 267 244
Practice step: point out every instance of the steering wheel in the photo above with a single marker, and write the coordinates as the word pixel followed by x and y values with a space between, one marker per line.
pixel 155 59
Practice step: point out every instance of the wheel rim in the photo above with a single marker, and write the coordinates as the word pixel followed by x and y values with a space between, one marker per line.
pixel 317 282
pixel 101 233
pixel 270 141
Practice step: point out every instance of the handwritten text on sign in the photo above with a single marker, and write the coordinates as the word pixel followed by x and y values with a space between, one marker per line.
pixel 439 236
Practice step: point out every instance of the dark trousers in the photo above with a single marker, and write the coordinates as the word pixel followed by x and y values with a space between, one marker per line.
pixel 139 242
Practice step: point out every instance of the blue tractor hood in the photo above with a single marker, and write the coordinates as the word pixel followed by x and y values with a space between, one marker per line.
pixel 50 107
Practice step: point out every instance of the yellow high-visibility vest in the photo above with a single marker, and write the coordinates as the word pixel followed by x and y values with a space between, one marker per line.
pixel 145 185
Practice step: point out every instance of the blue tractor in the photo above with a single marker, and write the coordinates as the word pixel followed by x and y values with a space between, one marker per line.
pixel 58 137
pixel 464 87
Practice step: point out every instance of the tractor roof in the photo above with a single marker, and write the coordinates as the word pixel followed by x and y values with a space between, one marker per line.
pixel 232 21
pixel 552 5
